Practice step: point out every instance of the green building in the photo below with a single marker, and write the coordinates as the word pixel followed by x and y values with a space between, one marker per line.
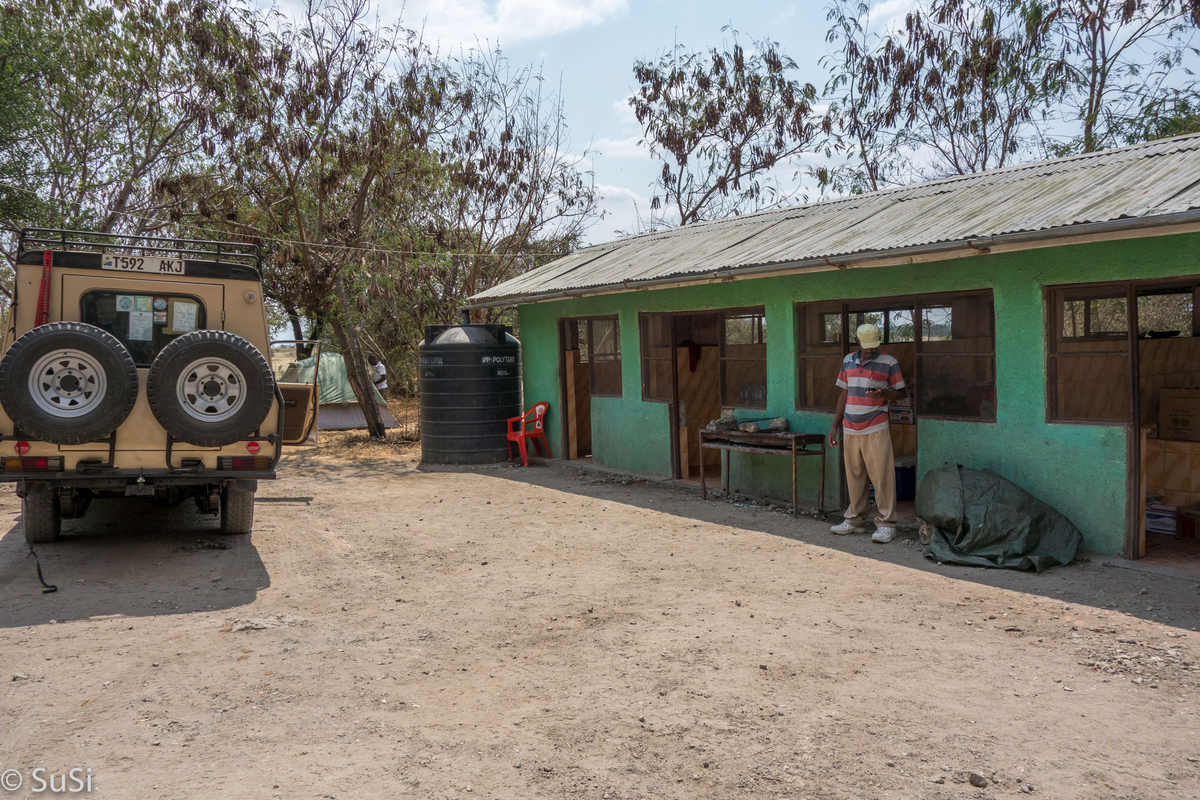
pixel 1038 312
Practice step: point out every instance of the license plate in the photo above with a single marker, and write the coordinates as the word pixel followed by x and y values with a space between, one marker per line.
pixel 159 266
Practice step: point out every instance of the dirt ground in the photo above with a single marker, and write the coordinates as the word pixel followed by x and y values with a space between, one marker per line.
pixel 500 632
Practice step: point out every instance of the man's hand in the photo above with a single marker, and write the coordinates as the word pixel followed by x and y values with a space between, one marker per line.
pixel 833 436
pixel 891 395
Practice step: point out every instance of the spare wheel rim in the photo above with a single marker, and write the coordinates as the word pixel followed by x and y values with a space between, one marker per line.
pixel 68 383
pixel 211 389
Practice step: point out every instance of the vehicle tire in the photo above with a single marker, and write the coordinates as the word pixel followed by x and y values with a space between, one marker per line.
pixel 237 510
pixel 210 388
pixel 68 383
pixel 41 514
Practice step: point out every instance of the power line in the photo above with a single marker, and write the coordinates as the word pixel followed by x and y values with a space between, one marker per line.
pixel 371 249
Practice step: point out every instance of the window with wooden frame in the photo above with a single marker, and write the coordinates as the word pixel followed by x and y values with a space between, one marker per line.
pixel 1091 331
pixel 1088 366
pixel 598 340
pixel 656 357
pixel 743 358
pixel 956 357
pixel 945 345
pixel 821 328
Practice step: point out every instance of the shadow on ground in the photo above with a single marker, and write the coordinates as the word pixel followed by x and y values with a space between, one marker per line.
pixel 1086 581
pixel 128 558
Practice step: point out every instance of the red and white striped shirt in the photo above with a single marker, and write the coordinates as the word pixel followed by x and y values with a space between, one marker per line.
pixel 867 414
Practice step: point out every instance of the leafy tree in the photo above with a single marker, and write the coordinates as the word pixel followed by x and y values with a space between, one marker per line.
pixel 968 85
pixel 860 107
pixel 1174 114
pixel 122 109
pixel 963 87
pixel 335 115
pixel 25 65
pixel 1121 61
pixel 721 122
pixel 511 195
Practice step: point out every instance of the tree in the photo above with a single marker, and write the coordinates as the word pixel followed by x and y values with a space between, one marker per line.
pixel 124 109
pixel 24 66
pixel 1174 113
pixel 334 114
pixel 963 87
pixel 721 122
pixel 502 195
pixel 1121 59
pixel 859 107
pixel 968 85
pixel 511 191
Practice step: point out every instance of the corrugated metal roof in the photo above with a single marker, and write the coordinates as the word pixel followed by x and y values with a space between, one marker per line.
pixel 1142 182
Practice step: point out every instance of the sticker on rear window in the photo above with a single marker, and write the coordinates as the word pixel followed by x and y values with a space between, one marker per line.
pixel 183 316
pixel 124 302
pixel 141 326
pixel 141 303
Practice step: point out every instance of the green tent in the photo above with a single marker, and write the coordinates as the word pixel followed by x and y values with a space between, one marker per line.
pixel 339 410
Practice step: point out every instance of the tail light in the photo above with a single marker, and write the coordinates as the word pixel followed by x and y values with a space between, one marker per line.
pixel 36 464
pixel 252 463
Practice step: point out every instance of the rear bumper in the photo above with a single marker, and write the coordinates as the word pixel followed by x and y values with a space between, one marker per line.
pixel 117 478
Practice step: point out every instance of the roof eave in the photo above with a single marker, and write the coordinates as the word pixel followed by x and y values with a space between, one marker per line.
pixel 864 258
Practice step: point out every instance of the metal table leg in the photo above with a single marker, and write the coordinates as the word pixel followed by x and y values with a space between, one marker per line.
pixel 795 508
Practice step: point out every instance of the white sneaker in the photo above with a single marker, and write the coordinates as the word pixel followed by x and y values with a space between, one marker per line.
pixel 883 534
pixel 846 528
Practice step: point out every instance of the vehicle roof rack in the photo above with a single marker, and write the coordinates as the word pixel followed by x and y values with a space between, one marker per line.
pixel 240 253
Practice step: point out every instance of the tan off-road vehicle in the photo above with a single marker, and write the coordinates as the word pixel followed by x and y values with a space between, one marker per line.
pixel 136 366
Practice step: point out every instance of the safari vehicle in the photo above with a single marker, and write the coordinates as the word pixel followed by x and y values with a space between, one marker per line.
pixel 135 366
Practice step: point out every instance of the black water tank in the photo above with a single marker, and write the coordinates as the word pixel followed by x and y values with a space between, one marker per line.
pixel 470 385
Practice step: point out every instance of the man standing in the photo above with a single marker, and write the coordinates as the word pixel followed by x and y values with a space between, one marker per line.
pixel 869 380
pixel 378 374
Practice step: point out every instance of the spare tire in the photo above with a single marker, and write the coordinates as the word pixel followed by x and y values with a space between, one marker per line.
pixel 210 388
pixel 68 383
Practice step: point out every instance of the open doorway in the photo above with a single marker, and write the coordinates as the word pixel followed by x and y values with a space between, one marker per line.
pixel 576 388
pixel 1129 354
pixel 1168 364
pixel 697 375
pixel 590 366
pixel 701 363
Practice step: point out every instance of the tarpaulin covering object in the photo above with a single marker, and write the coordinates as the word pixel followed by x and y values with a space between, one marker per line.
pixel 339 406
pixel 984 520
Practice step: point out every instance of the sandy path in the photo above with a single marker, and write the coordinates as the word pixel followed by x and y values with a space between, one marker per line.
pixel 545 633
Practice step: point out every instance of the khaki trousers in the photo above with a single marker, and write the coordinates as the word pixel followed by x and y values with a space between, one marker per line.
pixel 869 457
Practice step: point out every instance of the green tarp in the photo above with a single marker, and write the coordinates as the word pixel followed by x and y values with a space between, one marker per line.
pixel 339 409
pixel 983 520
pixel 335 386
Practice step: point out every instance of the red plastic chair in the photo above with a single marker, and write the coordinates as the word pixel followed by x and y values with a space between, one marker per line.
pixel 537 434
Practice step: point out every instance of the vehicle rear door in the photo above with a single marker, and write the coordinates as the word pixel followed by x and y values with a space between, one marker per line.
pixel 299 383
pixel 145 314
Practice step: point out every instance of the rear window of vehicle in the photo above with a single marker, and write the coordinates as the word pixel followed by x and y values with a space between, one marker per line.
pixel 145 323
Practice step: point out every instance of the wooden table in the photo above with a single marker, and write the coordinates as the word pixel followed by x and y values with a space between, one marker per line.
pixel 784 443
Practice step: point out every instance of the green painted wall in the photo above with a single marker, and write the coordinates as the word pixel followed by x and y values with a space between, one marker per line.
pixel 1078 469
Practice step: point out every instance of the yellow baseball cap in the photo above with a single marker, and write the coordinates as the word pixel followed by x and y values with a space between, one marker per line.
pixel 868 336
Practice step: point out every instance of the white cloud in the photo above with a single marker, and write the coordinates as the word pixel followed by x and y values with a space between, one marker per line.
pixel 622 208
pixel 784 16
pixel 629 147
pixel 888 16
pixel 625 113
pixel 465 22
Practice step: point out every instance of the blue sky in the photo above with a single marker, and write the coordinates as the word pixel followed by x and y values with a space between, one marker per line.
pixel 590 46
